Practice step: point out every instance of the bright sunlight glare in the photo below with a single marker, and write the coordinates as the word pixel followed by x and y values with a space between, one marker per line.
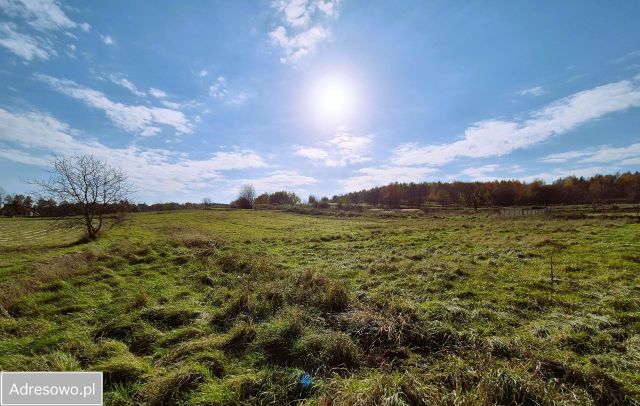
pixel 333 99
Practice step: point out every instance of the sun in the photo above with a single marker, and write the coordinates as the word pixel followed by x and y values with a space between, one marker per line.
pixel 333 99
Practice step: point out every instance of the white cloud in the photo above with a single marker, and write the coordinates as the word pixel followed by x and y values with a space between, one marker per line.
pixel 488 172
pixel 25 46
pixel 125 83
pixel 383 175
pixel 21 157
pixel 203 73
pixel 296 12
pixel 344 148
pixel 565 156
pixel 157 93
pixel 299 45
pixel 138 119
pixel 329 7
pixel 532 91
pixel 171 105
pixel 41 14
pixel 614 154
pixel 312 153
pixel 32 137
pixel 481 171
pixel 496 137
pixel 302 29
pixel 629 56
pixel 278 180
pixel 623 155
pixel 220 90
pixel 107 39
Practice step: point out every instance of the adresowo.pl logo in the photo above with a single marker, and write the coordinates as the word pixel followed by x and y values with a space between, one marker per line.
pixel 51 388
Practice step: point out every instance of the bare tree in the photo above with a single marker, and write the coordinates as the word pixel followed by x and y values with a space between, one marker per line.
pixel 247 193
pixel 88 182
pixel 206 202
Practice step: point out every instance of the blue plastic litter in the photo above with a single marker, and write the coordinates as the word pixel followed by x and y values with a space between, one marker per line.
pixel 305 380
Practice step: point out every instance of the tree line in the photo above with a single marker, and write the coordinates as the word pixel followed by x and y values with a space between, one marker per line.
pixel 599 189
pixel 247 198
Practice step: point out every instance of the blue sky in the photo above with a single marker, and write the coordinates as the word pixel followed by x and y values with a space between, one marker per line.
pixel 195 98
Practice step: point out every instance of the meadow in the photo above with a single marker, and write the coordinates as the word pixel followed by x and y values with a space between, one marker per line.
pixel 214 307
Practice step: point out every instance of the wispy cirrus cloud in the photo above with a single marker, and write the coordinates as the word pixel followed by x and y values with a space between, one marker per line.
pixel 138 119
pixel 25 46
pixel 344 148
pixel 126 84
pixel 491 172
pixel 629 155
pixel 220 90
pixel 491 138
pixel 532 91
pixel 32 137
pixel 303 26
pixel 43 15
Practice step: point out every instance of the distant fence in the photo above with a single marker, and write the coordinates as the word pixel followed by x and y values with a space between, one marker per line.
pixel 520 212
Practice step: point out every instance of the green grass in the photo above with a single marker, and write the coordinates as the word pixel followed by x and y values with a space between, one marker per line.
pixel 232 307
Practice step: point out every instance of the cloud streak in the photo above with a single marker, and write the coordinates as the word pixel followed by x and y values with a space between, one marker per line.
pixel 490 138
pixel 138 119
pixel 629 155
pixel 25 46
pixel 344 148
pixel 43 15
pixel 154 171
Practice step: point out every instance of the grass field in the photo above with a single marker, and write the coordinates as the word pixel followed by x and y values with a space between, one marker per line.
pixel 233 307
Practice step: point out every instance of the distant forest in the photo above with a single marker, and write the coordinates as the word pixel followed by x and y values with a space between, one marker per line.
pixel 599 189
